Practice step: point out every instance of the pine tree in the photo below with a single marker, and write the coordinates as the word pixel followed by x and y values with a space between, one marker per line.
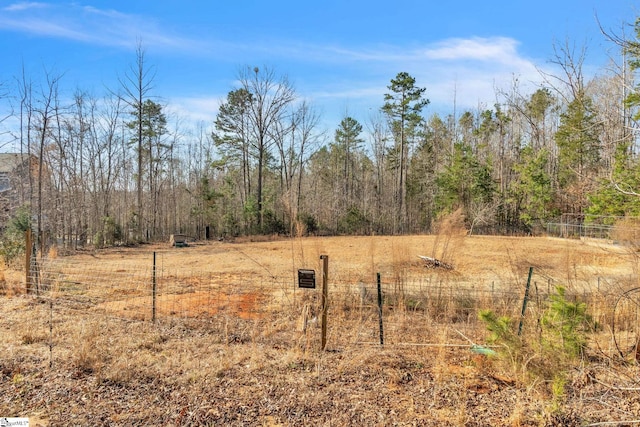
pixel 347 143
pixel 617 196
pixel 403 107
pixel 465 182
pixel 578 144
pixel 532 191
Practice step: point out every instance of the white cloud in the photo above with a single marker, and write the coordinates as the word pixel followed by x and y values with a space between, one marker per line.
pixel 476 48
pixel 469 71
pixel 92 25
pixel 15 7
pixel 44 28
pixel 196 109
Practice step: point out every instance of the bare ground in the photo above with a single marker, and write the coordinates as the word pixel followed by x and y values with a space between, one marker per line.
pixel 74 368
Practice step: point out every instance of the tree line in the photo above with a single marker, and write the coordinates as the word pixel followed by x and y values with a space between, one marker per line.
pixel 115 169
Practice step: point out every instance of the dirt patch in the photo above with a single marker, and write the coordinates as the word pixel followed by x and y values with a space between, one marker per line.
pixel 245 306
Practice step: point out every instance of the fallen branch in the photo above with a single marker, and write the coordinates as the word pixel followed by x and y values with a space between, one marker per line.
pixel 613 423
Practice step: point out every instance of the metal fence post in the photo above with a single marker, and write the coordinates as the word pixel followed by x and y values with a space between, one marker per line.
pixel 524 302
pixel 153 281
pixel 380 309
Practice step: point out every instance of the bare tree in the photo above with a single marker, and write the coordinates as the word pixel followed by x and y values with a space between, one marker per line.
pixel 137 84
pixel 294 137
pixel 105 165
pixel 25 89
pixel 4 94
pixel 578 135
pixel 383 191
pixel 46 111
pixel 271 98
pixel 308 137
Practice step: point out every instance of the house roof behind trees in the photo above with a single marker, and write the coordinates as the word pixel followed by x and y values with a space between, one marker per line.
pixel 10 161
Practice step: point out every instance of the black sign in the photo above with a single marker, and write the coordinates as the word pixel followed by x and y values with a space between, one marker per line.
pixel 306 279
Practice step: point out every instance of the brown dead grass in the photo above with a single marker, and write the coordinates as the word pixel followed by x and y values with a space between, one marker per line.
pixel 479 257
pixel 64 364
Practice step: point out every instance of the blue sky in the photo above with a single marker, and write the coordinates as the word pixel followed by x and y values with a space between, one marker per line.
pixel 340 55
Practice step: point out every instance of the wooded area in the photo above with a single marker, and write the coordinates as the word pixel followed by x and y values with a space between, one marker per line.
pixel 115 169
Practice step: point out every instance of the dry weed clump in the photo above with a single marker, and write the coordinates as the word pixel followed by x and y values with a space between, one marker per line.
pixel 450 231
pixel 3 282
pixel 11 280
pixel 89 353
pixel 626 231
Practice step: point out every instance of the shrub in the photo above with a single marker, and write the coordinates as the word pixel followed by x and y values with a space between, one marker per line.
pixel 12 245
pixel 112 231
pixel 310 223
pixel 353 222
pixel 271 224
pixel 230 225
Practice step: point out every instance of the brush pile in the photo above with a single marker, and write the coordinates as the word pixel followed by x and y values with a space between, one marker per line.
pixel 435 263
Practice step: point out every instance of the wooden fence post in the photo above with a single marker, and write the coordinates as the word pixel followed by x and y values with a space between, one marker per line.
pixel 27 263
pixel 325 297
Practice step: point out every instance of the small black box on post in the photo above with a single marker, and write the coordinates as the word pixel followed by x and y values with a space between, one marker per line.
pixel 306 279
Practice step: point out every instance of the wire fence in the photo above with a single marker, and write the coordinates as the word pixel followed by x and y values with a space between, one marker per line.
pixel 617 228
pixel 592 231
pixel 431 309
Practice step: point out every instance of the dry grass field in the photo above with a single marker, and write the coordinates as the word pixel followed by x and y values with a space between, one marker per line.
pixel 235 343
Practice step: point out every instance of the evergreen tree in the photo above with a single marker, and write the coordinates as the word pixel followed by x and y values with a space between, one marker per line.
pixel 152 126
pixel 403 107
pixel 465 183
pixel 618 195
pixel 536 110
pixel 428 160
pixel 347 143
pixel 577 140
pixel 232 135
pixel 137 85
pixel 632 50
pixel 532 191
pixel 578 144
